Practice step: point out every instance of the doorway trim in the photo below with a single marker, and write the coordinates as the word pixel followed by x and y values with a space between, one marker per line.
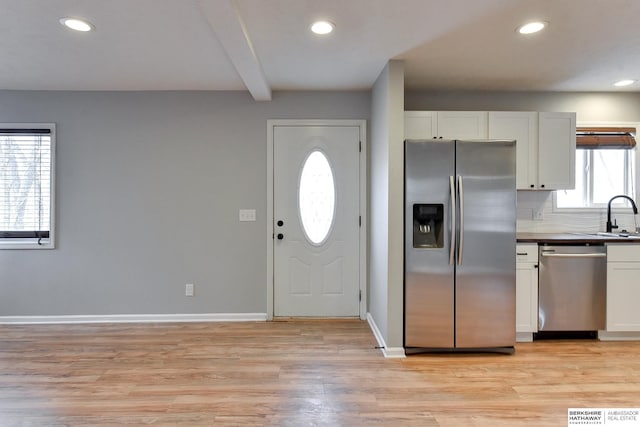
pixel 362 268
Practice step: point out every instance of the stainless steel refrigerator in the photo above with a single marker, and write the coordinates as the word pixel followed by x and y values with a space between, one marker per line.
pixel 460 238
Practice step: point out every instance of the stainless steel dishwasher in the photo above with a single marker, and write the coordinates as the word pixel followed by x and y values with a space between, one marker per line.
pixel 572 288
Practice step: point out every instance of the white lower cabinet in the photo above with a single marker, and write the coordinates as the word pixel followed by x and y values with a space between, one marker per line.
pixel 526 291
pixel 623 287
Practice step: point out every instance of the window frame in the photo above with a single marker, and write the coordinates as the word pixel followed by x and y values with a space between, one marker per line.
pixel 35 242
pixel 635 158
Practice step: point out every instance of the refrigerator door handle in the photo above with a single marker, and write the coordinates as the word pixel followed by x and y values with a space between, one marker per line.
pixel 461 203
pixel 452 189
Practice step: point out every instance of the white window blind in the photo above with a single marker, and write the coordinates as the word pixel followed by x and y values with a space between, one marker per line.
pixel 26 178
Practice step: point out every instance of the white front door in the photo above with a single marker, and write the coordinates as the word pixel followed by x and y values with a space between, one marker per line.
pixel 316 208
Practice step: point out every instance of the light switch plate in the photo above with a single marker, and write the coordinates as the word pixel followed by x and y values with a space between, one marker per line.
pixel 247 215
pixel 188 290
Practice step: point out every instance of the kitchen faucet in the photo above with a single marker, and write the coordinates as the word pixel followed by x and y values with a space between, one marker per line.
pixel 610 226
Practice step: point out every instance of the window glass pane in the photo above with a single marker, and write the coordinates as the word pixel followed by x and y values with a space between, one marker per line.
pixel 316 197
pixel 608 175
pixel 25 183
pixel 600 175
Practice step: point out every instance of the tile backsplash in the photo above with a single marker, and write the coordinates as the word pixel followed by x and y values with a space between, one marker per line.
pixel 535 213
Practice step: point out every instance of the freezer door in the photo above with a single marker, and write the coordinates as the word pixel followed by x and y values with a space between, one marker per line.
pixel 485 263
pixel 429 285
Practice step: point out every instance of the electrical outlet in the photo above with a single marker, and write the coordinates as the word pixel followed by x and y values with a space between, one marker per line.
pixel 538 215
pixel 247 215
pixel 188 290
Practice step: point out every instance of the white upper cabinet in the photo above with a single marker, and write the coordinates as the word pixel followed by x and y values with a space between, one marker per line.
pixel 556 151
pixel 523 127
pixel 445 124
pixel 545 142
pixel 420 124
pixel 545 147
pixel 462 124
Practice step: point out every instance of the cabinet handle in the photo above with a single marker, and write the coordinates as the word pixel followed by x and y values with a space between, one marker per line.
pixel 522 253
pixel 532 186
pixel 542 186
pixel 535 266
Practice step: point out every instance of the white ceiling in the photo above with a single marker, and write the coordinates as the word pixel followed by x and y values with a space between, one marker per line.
pixel 265 45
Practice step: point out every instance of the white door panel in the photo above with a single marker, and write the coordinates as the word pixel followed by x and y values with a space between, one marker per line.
pixel 316 279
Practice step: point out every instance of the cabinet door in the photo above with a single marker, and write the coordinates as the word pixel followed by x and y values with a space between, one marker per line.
pixel 523 127
pixel 462 124
pixel 526 297
pixel 420 124
pixel 623 294
pixel 556 151
pixel 526 287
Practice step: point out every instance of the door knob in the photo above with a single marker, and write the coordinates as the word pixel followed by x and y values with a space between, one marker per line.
pixel 280 236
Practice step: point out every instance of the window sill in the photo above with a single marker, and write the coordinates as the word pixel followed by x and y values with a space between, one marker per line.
pixel 579 210
pixel 26 244
pixel 591 210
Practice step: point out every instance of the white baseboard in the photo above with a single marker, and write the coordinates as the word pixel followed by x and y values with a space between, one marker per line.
pixel 618 336
pixel 389 352
pixel 394 353
pixel 135 318
pixel 524 337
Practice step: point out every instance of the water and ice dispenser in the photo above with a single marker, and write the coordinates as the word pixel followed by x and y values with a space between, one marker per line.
pixel 428 225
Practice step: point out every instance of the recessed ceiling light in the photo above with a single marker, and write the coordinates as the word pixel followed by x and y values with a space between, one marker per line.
pixel 531 27
pixel 77 24
pixel 624 83
pixel 322 27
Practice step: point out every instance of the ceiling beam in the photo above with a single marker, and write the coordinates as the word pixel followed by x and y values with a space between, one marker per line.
pixel 228 26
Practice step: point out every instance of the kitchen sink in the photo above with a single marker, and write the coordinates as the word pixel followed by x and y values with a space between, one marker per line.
pixel 621 234
pixel 616 235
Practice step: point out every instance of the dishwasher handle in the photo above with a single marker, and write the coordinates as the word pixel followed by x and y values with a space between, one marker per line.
pixel 587 255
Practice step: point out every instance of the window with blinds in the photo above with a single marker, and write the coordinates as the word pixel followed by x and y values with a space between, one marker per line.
pixel 612 138
pixel 605 167
pixel 26 185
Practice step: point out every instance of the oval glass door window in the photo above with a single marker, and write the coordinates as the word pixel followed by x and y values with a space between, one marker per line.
pixel 316 197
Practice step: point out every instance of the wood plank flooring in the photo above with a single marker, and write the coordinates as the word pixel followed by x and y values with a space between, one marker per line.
pixel 294 373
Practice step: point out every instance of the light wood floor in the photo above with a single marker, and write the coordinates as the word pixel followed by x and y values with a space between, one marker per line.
pixel 295 373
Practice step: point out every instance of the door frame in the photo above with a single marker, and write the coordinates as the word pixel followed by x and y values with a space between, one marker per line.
pixel 362 247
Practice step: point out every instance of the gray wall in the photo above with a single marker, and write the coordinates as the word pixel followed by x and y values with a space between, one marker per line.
pixel 379 204
pixel 613 106
pixel 386 303
pixel 148 190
